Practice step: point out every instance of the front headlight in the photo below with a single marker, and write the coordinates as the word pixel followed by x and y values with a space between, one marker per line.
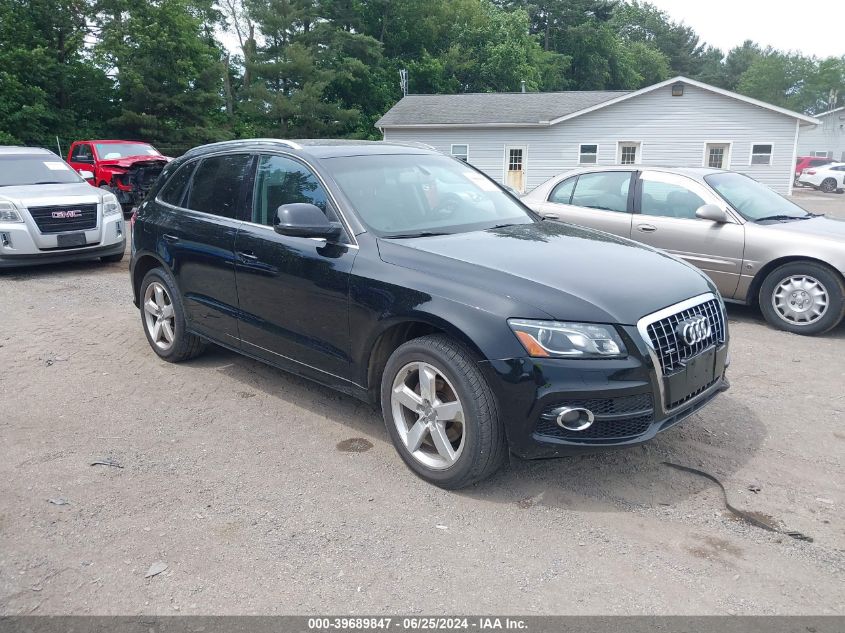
pixel 557 339
pixel 110 204
pixel 8 212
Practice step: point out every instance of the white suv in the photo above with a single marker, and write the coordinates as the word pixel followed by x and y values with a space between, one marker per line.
pixel 49 213
pixel 827 178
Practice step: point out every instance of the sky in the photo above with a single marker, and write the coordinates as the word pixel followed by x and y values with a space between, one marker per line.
pixel 812 28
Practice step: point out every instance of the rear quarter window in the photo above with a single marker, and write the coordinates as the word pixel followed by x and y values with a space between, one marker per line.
pixel 173 191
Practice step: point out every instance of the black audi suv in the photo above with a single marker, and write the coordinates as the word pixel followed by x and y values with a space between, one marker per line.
pixel 411 280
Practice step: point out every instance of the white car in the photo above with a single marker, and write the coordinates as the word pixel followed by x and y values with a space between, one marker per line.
pixel 827 178
pixel 49 213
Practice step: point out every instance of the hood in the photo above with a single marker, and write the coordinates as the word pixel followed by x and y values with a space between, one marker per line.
pixel 130 161
pixel 822 226
pixel 568 272
pixel 45 195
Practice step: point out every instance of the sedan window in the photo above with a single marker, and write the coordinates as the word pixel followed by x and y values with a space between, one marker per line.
pixel 562 193
pixel 606 190
pixel 753 200
pixel 669 200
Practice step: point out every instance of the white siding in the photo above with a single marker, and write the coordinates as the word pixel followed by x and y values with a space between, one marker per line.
pixel 673 132
pixel 827 137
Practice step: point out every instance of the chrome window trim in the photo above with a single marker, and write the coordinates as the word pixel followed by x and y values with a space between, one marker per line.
pixel 642 328
pixel 258 153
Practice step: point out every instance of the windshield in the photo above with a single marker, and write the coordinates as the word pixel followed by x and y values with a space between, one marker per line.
pixel 35 169
pixel 753 200
pixel 406 195
pixel 110 151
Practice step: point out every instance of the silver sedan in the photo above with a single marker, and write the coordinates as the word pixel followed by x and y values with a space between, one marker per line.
pixel 757 246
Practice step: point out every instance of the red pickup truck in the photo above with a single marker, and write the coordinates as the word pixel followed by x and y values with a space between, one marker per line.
pixel 126 168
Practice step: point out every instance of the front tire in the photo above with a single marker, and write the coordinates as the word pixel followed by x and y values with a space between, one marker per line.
pixel 441 414
pixel 803 298
pixel 163 318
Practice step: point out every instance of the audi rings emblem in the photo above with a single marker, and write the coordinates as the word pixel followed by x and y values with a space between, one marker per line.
pixel 694 330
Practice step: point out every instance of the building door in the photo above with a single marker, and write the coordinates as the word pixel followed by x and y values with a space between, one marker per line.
pixel 515 168
pixel 717 155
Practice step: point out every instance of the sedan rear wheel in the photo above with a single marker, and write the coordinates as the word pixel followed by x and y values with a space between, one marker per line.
pixel 828 185
pixel 803 297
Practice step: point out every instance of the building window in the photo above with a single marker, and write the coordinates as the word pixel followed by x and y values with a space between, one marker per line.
pixel 515 168
pixel 461 152
pixel 717 155
pixel 629 153
pixel 821 154
pixel 761 154
pixel 588 154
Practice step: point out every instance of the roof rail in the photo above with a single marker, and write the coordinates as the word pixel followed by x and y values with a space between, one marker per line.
pixel 280 141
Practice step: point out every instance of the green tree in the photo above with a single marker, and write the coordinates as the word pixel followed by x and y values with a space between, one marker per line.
pixel 778 78
pixel 168 69
pixel 48 84
pixel 643 22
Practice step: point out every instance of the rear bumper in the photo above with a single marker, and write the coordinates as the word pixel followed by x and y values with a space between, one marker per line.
pixel 626 396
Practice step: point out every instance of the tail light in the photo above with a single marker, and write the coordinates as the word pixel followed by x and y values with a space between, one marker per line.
pixel 133 217
pixel 810 172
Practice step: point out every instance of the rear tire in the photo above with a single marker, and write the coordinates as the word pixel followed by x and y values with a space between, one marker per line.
pixel 828 185
pixel 163 318
pixel 803 298
pixel 441 414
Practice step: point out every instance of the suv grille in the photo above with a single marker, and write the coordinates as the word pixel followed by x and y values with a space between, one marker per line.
pixel 672 351
pixel 58 219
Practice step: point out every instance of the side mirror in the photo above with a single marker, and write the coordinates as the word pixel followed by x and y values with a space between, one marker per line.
pixel 713 213
pixel 302 219
pixel 87 175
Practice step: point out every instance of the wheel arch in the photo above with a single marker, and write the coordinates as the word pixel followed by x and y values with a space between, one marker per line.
pixel 142 265
pixel 760 277
pixel 400 331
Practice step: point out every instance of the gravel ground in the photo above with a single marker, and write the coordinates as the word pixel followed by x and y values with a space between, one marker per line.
pixel 264 493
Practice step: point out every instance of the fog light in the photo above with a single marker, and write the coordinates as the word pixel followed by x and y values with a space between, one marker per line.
pixel 5 240
pixel 575 418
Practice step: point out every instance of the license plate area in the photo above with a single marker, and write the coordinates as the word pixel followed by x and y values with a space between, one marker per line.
pixel 698 373
pixel 70 239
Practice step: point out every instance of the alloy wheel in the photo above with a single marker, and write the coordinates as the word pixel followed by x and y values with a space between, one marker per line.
pixel 428 415
pixel 159 317
pixel 800 300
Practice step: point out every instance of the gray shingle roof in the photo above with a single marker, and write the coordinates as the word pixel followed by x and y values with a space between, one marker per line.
pixel 511 108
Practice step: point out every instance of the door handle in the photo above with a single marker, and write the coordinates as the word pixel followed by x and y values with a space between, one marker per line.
pixel 170 238
pixel 646 228
pixel 247 256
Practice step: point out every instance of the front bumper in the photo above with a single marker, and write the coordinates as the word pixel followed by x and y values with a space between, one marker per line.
pixel 628 397
pixel 22 244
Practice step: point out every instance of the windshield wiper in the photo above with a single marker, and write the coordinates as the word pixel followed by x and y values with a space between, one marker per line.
pixel 784 217
pixel 402 236
pixel 50 182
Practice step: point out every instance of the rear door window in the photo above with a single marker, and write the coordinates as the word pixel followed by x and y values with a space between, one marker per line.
pixel 216 187
pixel 606 190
